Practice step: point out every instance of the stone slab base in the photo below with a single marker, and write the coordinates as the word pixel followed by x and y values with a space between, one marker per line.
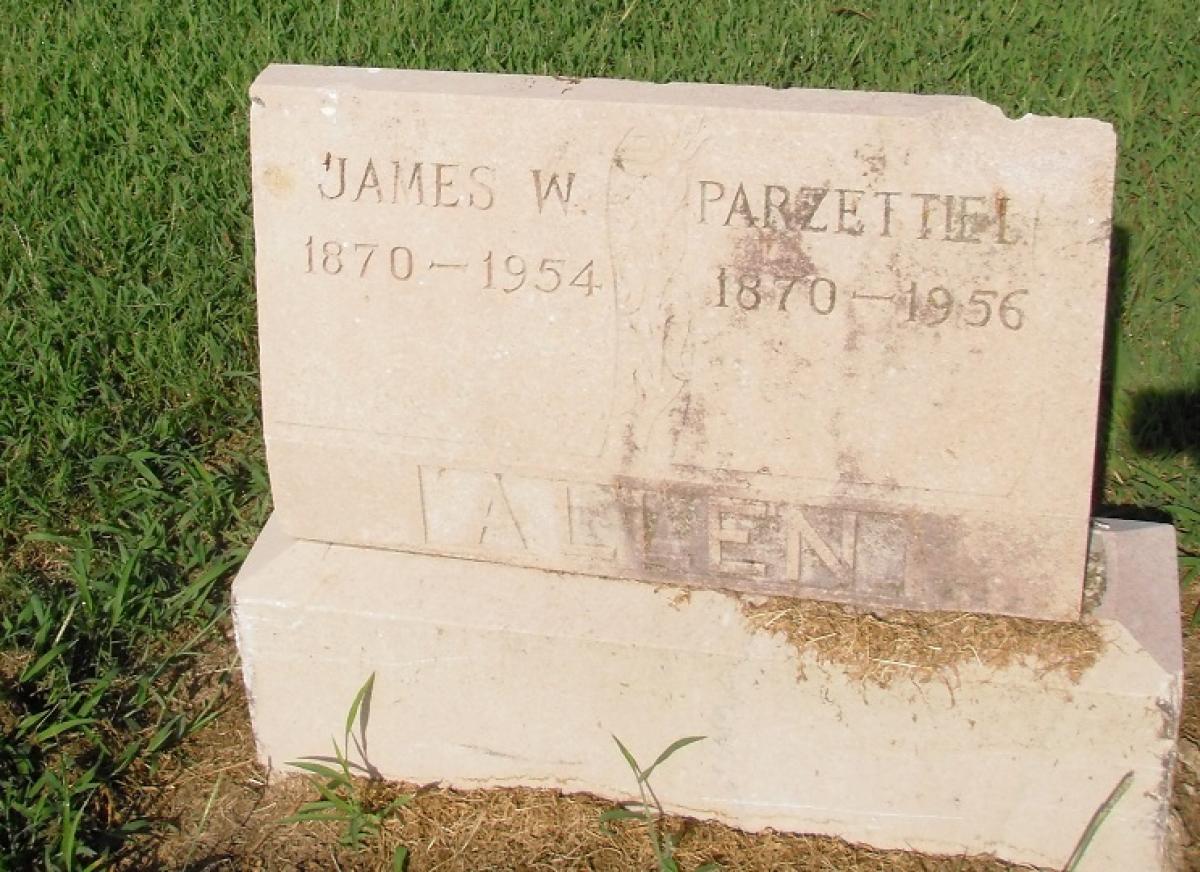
pixel 490 675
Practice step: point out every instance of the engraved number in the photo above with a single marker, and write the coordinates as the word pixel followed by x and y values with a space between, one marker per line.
pixel 509 272
pixel 785 284
pixel 401 262
pixel 589 285
pixel 548 268
pixel 370 247
pixel 331 260
pixel 514 265
pixel 939 300
pixel 748 295
pixel 333 255
pixel 550 274
pixel 980 302
pixel 1010 316
pixel 912 301
pixel 828 291
pixel 942 303
pixel 979 310
pixel 822 291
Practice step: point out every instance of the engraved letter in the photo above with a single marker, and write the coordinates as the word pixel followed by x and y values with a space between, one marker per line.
pixel 704 201
pixel 341 177
pixel 415 183
pixel 469 509
pixel 370 181
pixel 588 515
pixel 887 210
pixel 499 520
pixel 807 204
pixel 552 184
pixel 777 203
pixel 731 521
pixel 845 209
pixel 926 202
pixel 967 217
pixel 949 199
pixel 741 205
pixel 1002 221
pixel 442 184
pixel 811 559
pixel 673 531
pixel 483 177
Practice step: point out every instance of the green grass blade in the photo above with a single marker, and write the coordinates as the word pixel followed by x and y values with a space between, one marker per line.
pixel 61 727
pixel 662 850
pixel 671 749
pixel 332 796
pixel 399 859
pixel 363 694
pixel 1098 818
pixel 35 670
pixel 629 758
pixel 66 841
pixel 399 802
pixel 327 772
pixel 618 814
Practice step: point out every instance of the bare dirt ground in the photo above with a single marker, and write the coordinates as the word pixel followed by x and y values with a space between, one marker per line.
pixel 216 809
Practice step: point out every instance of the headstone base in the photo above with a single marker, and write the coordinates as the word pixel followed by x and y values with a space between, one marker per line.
pixel 491 675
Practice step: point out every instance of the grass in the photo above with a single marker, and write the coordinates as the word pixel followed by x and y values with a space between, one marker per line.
pixel 648 809
pixel 131 469
pixel 345 798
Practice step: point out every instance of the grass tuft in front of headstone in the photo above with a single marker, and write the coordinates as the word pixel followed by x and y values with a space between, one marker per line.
pixel 649 810
pixel 345 798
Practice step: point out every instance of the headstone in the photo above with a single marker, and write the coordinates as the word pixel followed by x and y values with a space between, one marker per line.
pixel 810 343
pixel 591 334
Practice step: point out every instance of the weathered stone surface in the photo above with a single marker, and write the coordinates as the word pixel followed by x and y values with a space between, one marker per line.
pixel 492 675
pixel 800 342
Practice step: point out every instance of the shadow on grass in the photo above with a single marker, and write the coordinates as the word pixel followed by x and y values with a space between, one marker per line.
pixel 1133 513
pixel 1118 287
pixel 1164 423
pixel 1167 422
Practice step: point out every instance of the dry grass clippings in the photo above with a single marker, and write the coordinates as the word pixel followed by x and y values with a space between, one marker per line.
pixel 922 646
